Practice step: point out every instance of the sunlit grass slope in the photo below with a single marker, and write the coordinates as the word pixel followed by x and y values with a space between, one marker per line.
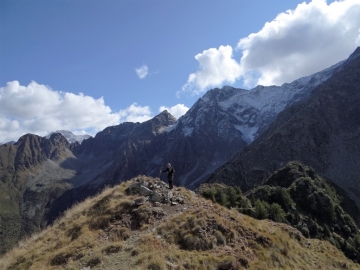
pixel 121 230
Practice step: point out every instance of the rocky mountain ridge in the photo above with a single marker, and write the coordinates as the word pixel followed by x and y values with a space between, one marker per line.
pixel 321 132
pixel 251 111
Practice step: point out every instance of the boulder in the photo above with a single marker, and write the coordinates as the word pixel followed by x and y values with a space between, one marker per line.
pixel 144 191
pixel 157 197
pixel 133 189
pixel 144 183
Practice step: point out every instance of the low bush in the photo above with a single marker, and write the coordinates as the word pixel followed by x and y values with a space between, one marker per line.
pixel 113 248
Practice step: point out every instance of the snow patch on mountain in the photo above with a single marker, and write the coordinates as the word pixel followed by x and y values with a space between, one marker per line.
pixel 248 132
pixel 187 131
pixel 11 142
pixel 247 113
pixel 171 127
pixel 71 137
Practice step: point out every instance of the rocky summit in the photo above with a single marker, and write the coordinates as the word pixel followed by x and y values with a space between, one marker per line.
pixel 139 225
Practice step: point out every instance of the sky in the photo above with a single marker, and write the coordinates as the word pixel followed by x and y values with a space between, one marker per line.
pixel 84 65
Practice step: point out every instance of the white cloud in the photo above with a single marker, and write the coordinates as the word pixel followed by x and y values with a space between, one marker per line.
pixel 39 110
pixel 135 113
pixel 216 67
pixel 142 71
pixel 80 132
pixel 177 110
pixel 296 43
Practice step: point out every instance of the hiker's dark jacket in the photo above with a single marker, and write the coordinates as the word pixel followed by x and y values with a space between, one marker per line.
pixel 170 171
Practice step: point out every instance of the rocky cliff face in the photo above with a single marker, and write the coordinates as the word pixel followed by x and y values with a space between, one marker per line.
pixel 322 132
pixel 24 192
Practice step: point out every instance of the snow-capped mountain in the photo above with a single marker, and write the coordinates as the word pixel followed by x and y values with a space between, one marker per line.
pixel 71 137
pixel 321 132
pixel 225 120
pixel 11 142
pixel 248 112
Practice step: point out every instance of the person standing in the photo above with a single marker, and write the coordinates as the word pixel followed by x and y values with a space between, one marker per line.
pixel 170 174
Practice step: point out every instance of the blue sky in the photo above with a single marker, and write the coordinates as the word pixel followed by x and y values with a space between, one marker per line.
pixel 51 51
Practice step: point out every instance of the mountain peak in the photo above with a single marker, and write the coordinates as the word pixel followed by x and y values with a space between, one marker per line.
pixel 165 115
pixel 355 54
pixel 157 124
pixel 70 137
pixel 222 94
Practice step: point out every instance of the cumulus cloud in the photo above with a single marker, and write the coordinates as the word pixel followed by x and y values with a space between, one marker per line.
pixel 40 110
pixel 135 113
pixel 303 41
pixel 216 67
pixel 296 43
pixel 142 71
pixel 177 110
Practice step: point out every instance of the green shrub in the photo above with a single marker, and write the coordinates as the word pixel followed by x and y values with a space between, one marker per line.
pixel 222 198
pixel 209 194
pixel 357 241
pixel 327 231
pixel 276 213
pixel 261 211
pixel 282 197
pixel 233 195
pixel 305 231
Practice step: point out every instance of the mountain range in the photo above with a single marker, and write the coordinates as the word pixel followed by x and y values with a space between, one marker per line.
pixel 229 135
pixel 322 131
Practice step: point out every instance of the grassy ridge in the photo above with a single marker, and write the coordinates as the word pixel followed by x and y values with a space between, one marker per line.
pixel 115 230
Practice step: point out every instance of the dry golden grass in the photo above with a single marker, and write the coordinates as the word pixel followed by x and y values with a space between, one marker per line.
pixel 109 232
